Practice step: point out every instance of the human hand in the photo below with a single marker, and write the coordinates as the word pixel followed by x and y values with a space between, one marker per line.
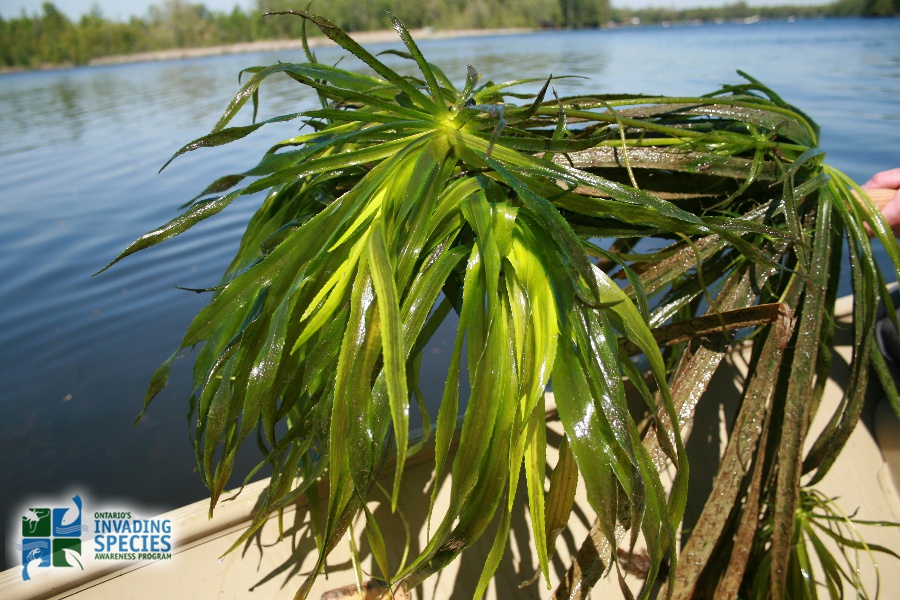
pixel 890 208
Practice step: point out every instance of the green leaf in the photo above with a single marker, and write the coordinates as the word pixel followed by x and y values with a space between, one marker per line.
pixel 193 215
pixel 337 35
pixel 496 552
pixel 392 344
pixel 535 465
pixel 226 136
pixel 157 383
pixel 376 543
pixel 430 78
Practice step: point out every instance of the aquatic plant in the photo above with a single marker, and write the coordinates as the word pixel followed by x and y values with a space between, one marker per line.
pixel 585 244
pixel 817 520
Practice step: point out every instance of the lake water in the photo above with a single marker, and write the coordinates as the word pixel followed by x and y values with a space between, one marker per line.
pixel 79 154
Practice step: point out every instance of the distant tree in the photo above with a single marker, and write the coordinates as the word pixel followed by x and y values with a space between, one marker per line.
pixel 268 27
pixel 579 14
pixel 881 8
pixel 232 27
pixel 184 23
pixel 55 34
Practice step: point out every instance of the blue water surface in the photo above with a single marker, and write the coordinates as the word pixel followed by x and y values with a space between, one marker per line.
pixel 79 154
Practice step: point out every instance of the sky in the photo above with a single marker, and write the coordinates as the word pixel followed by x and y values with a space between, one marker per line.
pixel 123 9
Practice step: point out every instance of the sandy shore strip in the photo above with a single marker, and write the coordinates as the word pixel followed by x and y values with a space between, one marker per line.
pixel 363 37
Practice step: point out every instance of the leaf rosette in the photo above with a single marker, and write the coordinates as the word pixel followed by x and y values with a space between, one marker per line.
pixel 563 234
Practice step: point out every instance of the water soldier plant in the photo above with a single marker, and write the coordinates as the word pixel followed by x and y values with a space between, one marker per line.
pixel 592 245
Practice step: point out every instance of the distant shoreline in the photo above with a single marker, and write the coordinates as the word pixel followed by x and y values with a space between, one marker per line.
pixel 363 37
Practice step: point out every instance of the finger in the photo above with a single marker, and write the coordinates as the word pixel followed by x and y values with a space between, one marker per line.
pixel 884 179
pixel 882 196
pixel 888 202
pixel 891 212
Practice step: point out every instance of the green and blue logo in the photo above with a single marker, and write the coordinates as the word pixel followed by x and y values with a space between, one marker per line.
pixel 67 537
pixel 51 536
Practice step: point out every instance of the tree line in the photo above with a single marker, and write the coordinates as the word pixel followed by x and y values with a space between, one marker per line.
pixel 52 38
pixel 741 10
